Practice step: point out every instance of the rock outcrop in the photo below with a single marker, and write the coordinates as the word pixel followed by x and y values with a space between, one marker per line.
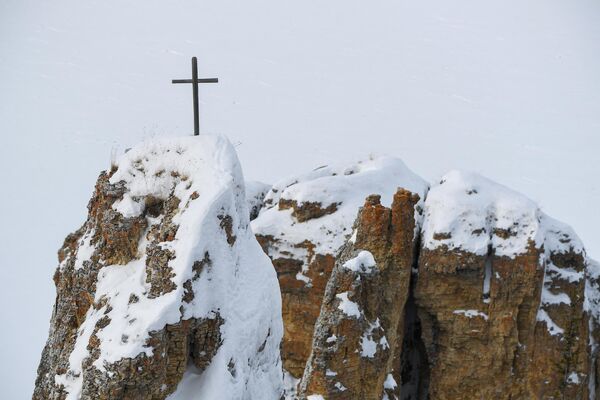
pixel 304 223
pixel 164 285
pixel 358 336
pixel 388 289
pixel 500 296
pixel 499 301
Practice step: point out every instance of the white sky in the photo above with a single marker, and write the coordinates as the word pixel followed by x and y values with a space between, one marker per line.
pixel 507 88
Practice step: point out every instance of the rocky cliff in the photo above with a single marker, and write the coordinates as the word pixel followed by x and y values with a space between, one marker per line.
pixel 304 222
pixel 500 296
pixel 165 285
pixel 388 288
pixel 488 298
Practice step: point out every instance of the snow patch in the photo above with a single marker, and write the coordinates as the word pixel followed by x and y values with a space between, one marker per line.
pixel 487 279
pixel 368 344
pixel 331 339
pixel 255 195
pixel 301 277
pixel 573 378
pixel 128 207
pixel 591 303
pixel 347 306
pixel 363 262
pixel 471 313
pixel 390 382
pixel 368 347
pixel 553 329
pixel 567 274
pixel 84 251
pixel 290 385
pixel 353 237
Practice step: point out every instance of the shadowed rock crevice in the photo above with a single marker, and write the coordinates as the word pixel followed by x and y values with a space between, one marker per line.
pixel 414 363
pixel 487 274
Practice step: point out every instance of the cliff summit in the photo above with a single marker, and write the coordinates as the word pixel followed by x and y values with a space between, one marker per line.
pixel 357 281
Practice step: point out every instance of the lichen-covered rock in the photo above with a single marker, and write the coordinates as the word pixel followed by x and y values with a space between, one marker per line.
pixel 165 284
pixel 500 297
pixel 358 336
pixel 502 303
pixel 305 222
pixel 592 307
pixel 467 291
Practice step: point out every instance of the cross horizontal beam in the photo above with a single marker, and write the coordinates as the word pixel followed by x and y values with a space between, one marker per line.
pixel 202 80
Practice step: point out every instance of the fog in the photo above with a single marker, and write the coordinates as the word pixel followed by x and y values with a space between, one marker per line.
pixel 508 88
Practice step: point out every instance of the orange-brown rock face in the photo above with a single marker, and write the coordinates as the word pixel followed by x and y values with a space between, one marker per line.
pixel 502 303
pixel 358 336
pixel 301 298
pixel 303 275
pixel 506 345
pixel 465 291
pixel 500 297
pixel 304 224
pixel 116 238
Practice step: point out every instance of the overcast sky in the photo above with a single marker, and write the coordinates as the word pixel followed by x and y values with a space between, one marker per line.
pixel 507 88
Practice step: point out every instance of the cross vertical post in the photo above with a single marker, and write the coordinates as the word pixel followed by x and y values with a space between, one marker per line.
pixel 195 81
pixel 195 86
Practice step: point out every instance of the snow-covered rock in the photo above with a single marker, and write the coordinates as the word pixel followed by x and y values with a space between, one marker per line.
pixel 363 307
pixel 165 292
pixel 385 284
pixel 255 196
pixel 305 221
pixel 469 212
pixel 321 205
pixel 501 282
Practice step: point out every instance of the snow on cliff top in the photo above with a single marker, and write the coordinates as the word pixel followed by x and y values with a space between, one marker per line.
pixel 346 186
pixel 204 173
pixel 469 212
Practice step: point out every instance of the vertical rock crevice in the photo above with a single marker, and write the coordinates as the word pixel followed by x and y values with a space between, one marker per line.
pixel 413 360
pixel 414 365
pixel 487 273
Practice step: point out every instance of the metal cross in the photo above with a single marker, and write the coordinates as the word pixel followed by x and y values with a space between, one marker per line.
pixel 195 81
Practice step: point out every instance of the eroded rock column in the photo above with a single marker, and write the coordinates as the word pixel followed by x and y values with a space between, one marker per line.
pixel 358 336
